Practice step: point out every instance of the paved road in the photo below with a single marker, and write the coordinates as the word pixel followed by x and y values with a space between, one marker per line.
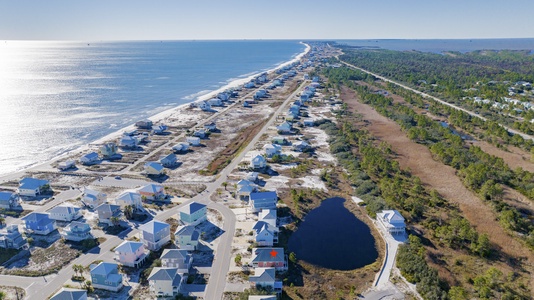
pixel 511 130
pixel 221 264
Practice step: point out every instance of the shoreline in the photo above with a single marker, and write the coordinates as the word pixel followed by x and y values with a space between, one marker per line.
pixel 155 118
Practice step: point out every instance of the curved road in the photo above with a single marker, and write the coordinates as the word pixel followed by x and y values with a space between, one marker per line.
pixel 511 130
pixel 42 287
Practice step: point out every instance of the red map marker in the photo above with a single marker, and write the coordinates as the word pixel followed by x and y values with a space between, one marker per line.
pixel 273 253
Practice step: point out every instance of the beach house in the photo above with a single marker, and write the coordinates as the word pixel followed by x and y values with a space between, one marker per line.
pixel 31 187
pixel 144 124
pixel 187 237
pixel 153 192
pixel 279 140
pixel 180 147
pixel 204 105
pixel 159 129
pixel 211 126
pixel 243 191
pixel 153 168
pixel 109 150
pixel 155 234
pixel 168 161
pixel 285 127
pixel 252 177
pixel 269 258
pixel 193 140
pixel 93 198
pixel 89 158
pixel 176 258
pixel 272 149
pixel 65 212
pixel 130 198
pixel 106 276
pixel 193 214
pixel 300 146
pixel 200 133
pixel 77 231
pixel 265 234
pixel 263 200
pixel 10 201
pixel 106 212
pixel 39 223
pixel 215 102
pixel 128 142
pixel 266 279
pixel 309 122
pixel 165 282
pixel 130 254
pixel 70 294
pixel 11 238
pixel 258 162
pixel 392 221
pixel 268 216
pixel 65 165
pixel 224 96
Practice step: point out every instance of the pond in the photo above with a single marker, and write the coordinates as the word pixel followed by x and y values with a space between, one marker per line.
pixel 332 237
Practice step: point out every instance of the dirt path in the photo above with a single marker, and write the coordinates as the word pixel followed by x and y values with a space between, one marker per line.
pixel 441 177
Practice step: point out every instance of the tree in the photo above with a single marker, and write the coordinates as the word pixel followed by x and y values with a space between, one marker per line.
pixel 457 293
pixel 128 211
pixel 115 221
pixel 2 221
pixel 238 259
pixel 293 257
pixel 225 184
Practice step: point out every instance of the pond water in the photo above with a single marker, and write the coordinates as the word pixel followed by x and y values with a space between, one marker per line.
pixel 332 237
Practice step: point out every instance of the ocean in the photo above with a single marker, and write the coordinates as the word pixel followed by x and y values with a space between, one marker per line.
pixel 438 46
pixel 58 96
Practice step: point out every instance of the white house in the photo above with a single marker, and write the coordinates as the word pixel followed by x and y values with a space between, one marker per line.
pixel 32 187
pixel 93 198
pixel 165 282
pixel 177 258
pixel 169 160
pixel 128 142
pixel 144 124
pixel 252 176
pixel 129 198
pixel 258 162
pixel 211 126
pixel 152 192
pixel 284 127
pixel 265 278
pixel 392 221
pixel 89 158
pixel 159 129
pixel 77 231
pixel 200 133
pixel 263 200
pixel 10 201
pixel 180 147
pixel 204 105
pixel 153 168
pixel 265 234
pixel 65 212
pixel 272 149
pixel 65 165
pixel 300 146
pixel 108 150
pixel 193 140
pixel 268 216
pixel 215 102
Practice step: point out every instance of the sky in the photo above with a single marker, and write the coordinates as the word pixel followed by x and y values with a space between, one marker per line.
pixel 268 19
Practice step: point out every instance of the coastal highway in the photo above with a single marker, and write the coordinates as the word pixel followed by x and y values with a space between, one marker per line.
pixel 425 95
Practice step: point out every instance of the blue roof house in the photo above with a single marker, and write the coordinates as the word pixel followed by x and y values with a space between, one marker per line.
pixel 155 234
pixel 193 214
pixel 39 223
pixel 32 187
pixel 106 276
pixel 263 200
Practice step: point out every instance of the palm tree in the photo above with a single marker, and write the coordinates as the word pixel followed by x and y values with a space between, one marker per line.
pixel 225 184
pixel 128 211
pixel 2 221
pixel 115 221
